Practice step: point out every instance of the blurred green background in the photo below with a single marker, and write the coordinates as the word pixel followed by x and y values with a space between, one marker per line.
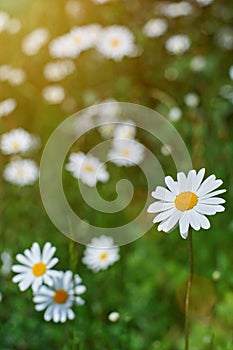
pixel 146 285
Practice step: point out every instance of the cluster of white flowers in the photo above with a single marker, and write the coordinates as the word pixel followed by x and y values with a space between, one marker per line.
pixel 33 42
pixel 113 42
pixel 14 76
pixel 19 171
pixel 56 291
pixel 11 25
pixel 174 10
pixel 7 107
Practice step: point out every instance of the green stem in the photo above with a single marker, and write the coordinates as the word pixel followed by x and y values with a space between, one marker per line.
pixel 187 299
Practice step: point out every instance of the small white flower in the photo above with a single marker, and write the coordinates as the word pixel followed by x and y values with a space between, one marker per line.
pixel 84 37
pixel 115 42
pixel 34 41
pixel 62 47
pixel 177 44
pixel 56 71
pixel 126 130
pixel 4 19
pixel 13 26
pixel 174 10
pixel 16 76
pixel 21 172
pixel 36 267
pixel 198 63
pixel 87 168
pixel 100 254
pixel 224 37
pixel 155 28
pixel 204 2
pixel 191 100
pixel 174 114
pixel 187 201
pixel 53 94
pixel 114 316
pixel 126 152
pixel 58 299
pixel 16 141
pixel 6 263
pixel 7 107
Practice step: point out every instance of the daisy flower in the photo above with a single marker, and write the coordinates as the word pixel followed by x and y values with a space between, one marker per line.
pixel 187 201
pixel 34 41
pixel 56 71
pixel 58 299
pixel 7 107
pixel 177 44
pixel 126 130
pixel 101 254
pixel 53 94
pixel 35 267
pixel 21 172
pixel 116 42
pixel 16 141
pixel 126 152
pixel 87 168
pixel 154 28
pixel 62 47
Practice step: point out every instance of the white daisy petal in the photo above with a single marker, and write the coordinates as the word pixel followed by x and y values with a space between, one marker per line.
pixel 170 223
pixel 163 194
pixel 23 260
pixel 184 225
pixel 208 185
pixel 209 209
pixel 198 180
pixel 182 182
pixel 159 206
pixel 164 215
pixel 212 194
pixel 194 220
pixel 210 201
pixel 172 185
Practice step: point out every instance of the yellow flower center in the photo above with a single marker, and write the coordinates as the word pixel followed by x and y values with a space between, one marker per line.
pixel 125 153
pixel 15 145
pixel 115 42
pixel 88 168
pixel 39 269
pixel 185 201
pixel 60 296
pixel 77 39
pixel 103 256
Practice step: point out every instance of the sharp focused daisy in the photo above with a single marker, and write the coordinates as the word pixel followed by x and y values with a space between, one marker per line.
pixel 87 168
pixel 126 152
pixel 36 267
pixel 187 201
pixel 60 297
pixel 21 172
pixel 101 253
pixel 16 141
pixel 116 42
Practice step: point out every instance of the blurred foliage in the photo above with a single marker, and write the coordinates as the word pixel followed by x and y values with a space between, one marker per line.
pixel 143 286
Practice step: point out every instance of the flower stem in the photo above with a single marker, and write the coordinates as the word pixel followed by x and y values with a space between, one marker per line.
pixel 187 299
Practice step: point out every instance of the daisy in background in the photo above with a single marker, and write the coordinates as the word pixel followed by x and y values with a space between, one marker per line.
pixel 186 202
pixel 53 94
pixel 21 172
pixel 7 107
pixel 56 71
pixel 16 141
pixel 116 42
pixel 126 152
pixel 33 42
pixel 36 267
pixel 178 44
pixel 87 168
pixel 59 298
pixel 100 254
pixel 154 28
pixel 125 130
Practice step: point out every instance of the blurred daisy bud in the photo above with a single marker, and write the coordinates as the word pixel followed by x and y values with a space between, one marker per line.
pixel 53 94
pixel 155 28
pixel 4 19
pixel 13 26
pixel 34 41
pixel 216 275
pixel 16 76
pixel 7 106
pixel 177 44
pixel 198 63
pixel 174 114
pixel 6 263
pixel 191 100
pixel 114 316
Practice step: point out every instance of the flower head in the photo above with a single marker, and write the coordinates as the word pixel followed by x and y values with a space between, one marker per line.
pixel 58 299
pixel 16 141
pixel 187 201
pixel 21 172
pixel 126 152
pixel 101 253
pixel 36 267
pixel 87 168
pixel 177 44
pixel 155 28
pixel 7 106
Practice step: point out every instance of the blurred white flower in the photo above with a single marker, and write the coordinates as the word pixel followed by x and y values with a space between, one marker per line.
pixel 108 126
pixel 187 201
pixel 16 141
pixel 155 28
pixel 174 10
pixel 53 94
pixel 204 2
pixel 6 262
pixel 178 44
pixel 198 63
pixel 4 19
pixel 100 1
pixel 4 72
pixel 35 267
pixel 16 76
pixel 87 168
pixel 125 130
pixel 85 37
pixel 231 72
pixel 33 42
pixel 73 7
pixel 192 100
pixel 62 47
pixel 21 172
pixel 58 299
pixel 174 114
pixel 7 106
pixel 224 38
pixel 109 108
pixel 100 254
pixel 114 316
pixel 56 71
pixel 166 150
pixel 226 91
pixel 126 152
pixel 216 275
pixel 115 42
pixel 13 26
